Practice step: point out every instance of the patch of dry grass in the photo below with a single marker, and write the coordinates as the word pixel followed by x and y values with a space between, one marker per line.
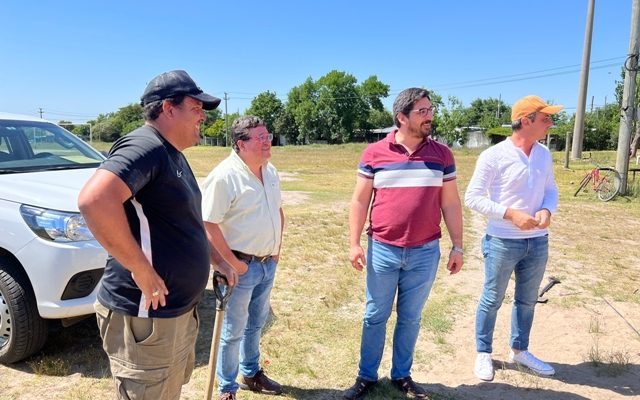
pixel 313 340
pixel 613 362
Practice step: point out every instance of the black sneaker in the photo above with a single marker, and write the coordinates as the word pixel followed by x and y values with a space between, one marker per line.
pixel 359 389
pixel 410 388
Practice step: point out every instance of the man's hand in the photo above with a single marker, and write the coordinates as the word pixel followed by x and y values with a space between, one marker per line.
pixel 544 218
pixel 357 258
pixel 521 219
pixel 228 271
pixel 455 262
pixel 152 287
pixel 240 266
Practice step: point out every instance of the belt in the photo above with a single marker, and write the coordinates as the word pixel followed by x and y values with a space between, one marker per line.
pixel 250 257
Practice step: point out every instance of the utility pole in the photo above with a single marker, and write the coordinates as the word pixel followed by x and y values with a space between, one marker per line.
pixel 578 128
pixel 226 121
pixel 567 146
pixel 627 112
pixel 40 112
pixel 499 102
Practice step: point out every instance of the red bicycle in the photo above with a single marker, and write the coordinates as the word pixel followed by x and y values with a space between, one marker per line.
pixel 605 181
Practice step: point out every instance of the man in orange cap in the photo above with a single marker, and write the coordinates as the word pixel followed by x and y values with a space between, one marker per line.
pixel 517 175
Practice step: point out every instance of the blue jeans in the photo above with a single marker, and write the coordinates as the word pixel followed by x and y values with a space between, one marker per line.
pixel 502 257
pixel 246 313
pixel 409 271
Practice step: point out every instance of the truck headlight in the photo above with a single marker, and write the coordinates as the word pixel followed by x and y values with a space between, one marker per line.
pixel 55 225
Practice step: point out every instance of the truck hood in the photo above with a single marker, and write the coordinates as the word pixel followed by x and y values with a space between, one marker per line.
pixel 57 190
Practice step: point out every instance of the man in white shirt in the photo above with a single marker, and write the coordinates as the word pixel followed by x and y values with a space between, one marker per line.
pixel 517 176
pixel 242 211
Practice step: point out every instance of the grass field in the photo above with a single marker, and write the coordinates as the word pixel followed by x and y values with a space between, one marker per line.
pixel 312 343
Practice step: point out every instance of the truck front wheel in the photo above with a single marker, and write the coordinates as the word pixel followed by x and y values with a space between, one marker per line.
pixel 22 331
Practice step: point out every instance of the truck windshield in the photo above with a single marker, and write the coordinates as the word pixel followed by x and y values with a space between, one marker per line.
pixel 27 146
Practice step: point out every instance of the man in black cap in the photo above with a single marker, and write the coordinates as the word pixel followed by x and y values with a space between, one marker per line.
pixel 144 207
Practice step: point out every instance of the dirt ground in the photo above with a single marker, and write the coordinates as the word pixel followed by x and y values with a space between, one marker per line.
pixel 563 336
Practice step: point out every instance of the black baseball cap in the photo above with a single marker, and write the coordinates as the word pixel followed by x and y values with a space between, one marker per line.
pixel 175 83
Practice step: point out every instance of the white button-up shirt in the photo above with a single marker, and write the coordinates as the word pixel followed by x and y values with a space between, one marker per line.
pixel 506 178
pixel 246 210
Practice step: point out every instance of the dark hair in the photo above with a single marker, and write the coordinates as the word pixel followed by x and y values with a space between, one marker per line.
pixel 152 111
pixel 517 125
pixel 240 129
pixel 405 101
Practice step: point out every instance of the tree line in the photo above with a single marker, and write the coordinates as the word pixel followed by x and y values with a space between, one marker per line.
pixel 337 109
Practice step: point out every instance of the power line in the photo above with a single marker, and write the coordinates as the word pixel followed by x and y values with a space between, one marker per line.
pixel 537 72
pixel 495 82
pixel 543 73
pixel 71 113
pixel 488 81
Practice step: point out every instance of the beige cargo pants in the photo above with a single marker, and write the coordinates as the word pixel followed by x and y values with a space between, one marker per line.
pixel 150 358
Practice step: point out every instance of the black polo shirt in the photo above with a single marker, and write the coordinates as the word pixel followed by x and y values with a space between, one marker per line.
pixel 165 218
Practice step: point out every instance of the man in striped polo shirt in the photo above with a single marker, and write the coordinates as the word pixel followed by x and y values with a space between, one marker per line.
pixel 412 179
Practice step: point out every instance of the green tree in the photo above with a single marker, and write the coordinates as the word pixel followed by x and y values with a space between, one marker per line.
pixel 211 117
pixel 68 125
pixel 130 113
pixel 302 106
pixel 285 125
pixel 563 125
pixel 341 108
pixel 488 113
pixel 335 107
pixel 601 128
pixel 106 130
pixel 83 131
pixel 267 106
pixel 380 118
pixel 109 127
pixel 226 124
pixel 215 131
pixel 372 90
pixel 450 118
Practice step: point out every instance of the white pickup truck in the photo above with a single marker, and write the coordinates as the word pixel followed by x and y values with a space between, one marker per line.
pixel 50 264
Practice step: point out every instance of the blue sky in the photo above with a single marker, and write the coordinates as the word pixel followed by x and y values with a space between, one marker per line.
pixel 78 59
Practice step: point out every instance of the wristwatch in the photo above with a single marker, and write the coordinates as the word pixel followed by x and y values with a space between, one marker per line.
pixel 457 249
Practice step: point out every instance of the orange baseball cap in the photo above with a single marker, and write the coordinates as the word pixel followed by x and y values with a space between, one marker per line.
pixel 531 104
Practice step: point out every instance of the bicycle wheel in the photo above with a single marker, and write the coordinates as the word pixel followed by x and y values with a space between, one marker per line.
pixel 585 182
pixel 609 185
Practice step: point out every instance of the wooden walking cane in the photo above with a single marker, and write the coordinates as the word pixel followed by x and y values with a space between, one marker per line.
pixel 221 302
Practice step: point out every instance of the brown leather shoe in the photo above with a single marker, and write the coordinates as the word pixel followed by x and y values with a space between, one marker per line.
pixel 410 388
pixel 227 396
pixel 260 383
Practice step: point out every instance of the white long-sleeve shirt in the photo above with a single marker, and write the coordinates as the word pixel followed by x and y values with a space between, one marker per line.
pixel 506 178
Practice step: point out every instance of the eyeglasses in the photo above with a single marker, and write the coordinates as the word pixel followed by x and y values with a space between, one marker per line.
pixel 423 112
pixel 264 138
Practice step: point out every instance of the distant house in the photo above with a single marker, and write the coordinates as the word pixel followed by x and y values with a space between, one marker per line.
pixel 377 134
pixel 476 138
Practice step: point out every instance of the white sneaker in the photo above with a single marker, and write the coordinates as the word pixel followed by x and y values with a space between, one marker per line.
pixel 484 367
pixel 530 361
